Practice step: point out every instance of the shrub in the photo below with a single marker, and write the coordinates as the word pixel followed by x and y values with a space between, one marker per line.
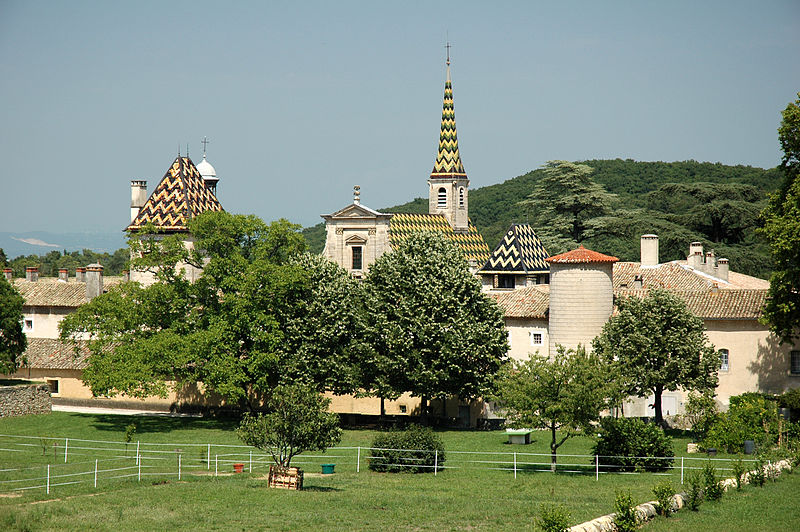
pixel 625 517
pixel 751 416
pixel 695 492
pixel 629 444
pixel 416 449
pixel 664 493
pixel 757 475
pixel 553 518
pixel 713 488
pixel 701 413
pixel 739 469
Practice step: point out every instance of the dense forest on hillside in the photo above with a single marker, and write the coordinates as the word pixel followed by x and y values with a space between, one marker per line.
pixel 49 263
pixel 682 202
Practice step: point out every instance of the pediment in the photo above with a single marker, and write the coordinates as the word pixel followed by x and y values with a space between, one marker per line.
pixel 355 239
pixel 357 211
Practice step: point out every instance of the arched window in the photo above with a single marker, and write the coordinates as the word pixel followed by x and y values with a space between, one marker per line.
pixel 461 197
pixel 442 198
pixel 724 360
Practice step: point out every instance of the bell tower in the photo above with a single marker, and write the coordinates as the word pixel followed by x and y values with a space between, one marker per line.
pixel 448 185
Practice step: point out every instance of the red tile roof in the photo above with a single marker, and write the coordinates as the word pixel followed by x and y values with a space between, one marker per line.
pixel 50 353
pixel 580 256
pixel 716 304
pixel 529 302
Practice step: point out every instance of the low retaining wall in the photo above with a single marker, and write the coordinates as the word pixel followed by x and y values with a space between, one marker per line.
pixel 24 400
pixel 647 511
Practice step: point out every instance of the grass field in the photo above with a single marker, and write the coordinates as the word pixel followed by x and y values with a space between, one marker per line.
pixel 477 491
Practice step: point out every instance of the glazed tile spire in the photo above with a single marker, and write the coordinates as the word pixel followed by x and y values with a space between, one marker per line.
pixel 448 160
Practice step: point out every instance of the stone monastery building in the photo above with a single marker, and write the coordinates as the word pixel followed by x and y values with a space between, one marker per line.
pixel 547 300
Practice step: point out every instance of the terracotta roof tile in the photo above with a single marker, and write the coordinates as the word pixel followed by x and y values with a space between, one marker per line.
pixel 580 256
pixel 50 353
pixel 716 304
pixel 528 302
pixel 50 292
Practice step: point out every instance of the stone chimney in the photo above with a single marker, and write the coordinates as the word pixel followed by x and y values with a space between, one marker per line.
pixel 9 274
pixel 94 281
pixel 80 275
pixel 649 246
pixel 695 258
pixel 138 197
pixel 637 282
pixel 722 269
pixel 63 275
pixel 126 276
pixel 32 274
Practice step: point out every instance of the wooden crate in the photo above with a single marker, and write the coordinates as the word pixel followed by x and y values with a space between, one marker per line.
pixel 289 478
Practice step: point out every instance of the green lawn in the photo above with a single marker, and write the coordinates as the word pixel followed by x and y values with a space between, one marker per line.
pixel 478 490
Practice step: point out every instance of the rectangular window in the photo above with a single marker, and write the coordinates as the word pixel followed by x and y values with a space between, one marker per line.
pixel 724 360
pixel 53 384
pixel 505 281
pixel 536 338
pixel 509 339
pixel 794 367
pixel 357 258
pixel 28 325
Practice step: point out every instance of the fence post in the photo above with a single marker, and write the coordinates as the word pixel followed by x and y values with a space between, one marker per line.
pixel 597 467
pixel 179 467
pixel 208 460
pixel 216 464
pixel 436 462
pixel 515 464
pixel 251 460
pixel 138 459
pixel 769 469
pixel 95 472
pixel 140 469
pixel 681 469
pixel 358 460
pixel 48 479
pixel 66 448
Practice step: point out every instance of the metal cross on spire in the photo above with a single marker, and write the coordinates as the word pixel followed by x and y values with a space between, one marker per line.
pixel 204 142
pixel 448 52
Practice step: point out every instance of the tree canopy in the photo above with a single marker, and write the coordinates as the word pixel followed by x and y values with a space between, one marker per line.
pixel 656 344
pixel 782 230
pixel 12 340
pixel 436 333
pixel 563 394
pixel 237 328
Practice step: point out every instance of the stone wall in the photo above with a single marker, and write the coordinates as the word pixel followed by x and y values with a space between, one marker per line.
pixel 24 400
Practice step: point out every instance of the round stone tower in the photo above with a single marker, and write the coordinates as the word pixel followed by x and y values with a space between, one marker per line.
pixel 581 297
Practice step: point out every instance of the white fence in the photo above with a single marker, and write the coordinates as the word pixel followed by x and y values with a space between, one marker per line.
pixel 53 462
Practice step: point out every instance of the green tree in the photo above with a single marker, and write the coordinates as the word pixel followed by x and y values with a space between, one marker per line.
pixel 656 344
pixel 12 340
pixel 238 328
pixel 782 229
pixel 563 394
pixel 564 202
pixel 297 420
pixel 3 258
pixel 437 334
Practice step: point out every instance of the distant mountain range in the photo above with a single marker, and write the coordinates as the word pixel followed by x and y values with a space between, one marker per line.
pixel 43 242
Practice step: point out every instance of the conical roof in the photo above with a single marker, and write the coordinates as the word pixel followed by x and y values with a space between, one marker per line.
pixel 448 160
pixel 580 256
pixel 520 251
pixel 180 196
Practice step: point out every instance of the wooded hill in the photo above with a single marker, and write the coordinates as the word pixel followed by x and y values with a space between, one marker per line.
pixel 681 202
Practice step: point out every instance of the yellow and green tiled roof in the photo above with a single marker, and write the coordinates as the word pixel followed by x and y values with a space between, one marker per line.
pixel 180 196
pixel 519 251
pixel 448 160
pixel 403 226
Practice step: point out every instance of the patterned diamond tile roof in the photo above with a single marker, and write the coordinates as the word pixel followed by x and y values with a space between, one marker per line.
pixel 528 302
pixel 50 292
pixel 180 196
pixel 49 353
pixel 716 304
pixel 403 225
pixel 580 256
pixel 448 160
pixel 519 251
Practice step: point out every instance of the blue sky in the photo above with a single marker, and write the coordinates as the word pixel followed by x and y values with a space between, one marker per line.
pixel 302 100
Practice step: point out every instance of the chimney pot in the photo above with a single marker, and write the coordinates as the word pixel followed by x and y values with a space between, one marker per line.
pixel 80 275
pixel 723 268
pixel 138 196
pixel 649 250
pixel 32 274
pixel 94 281
pixel 8 273
pixel 63 275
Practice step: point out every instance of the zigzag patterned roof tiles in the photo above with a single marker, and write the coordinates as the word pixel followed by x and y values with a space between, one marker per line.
pixel 520 251
pixel 180 196
pixel 403 225
pixel 448 160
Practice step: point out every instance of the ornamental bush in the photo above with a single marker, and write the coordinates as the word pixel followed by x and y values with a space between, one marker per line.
pixel 664 493
pixel 627 444
pixel 553 518
pixel 416 449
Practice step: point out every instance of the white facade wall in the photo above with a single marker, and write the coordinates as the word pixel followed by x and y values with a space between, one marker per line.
pixel 521 337
pixel 581 301
pixel 342 235
pixel 44 320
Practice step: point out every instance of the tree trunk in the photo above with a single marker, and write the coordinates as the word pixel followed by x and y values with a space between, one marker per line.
pixel 383 408
pixel 444 410
pixel 553 448
pixel 659 418
pixel 423 410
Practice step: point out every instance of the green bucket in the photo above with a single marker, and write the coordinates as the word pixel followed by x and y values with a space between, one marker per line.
pixel 327 469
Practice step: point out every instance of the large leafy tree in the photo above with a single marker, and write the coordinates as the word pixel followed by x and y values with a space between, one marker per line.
pixel 566 203
pixel 655 344
pixel 12 339
pixel 563 394
pixel 782 229
pixel 235 329
pixel 436 334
